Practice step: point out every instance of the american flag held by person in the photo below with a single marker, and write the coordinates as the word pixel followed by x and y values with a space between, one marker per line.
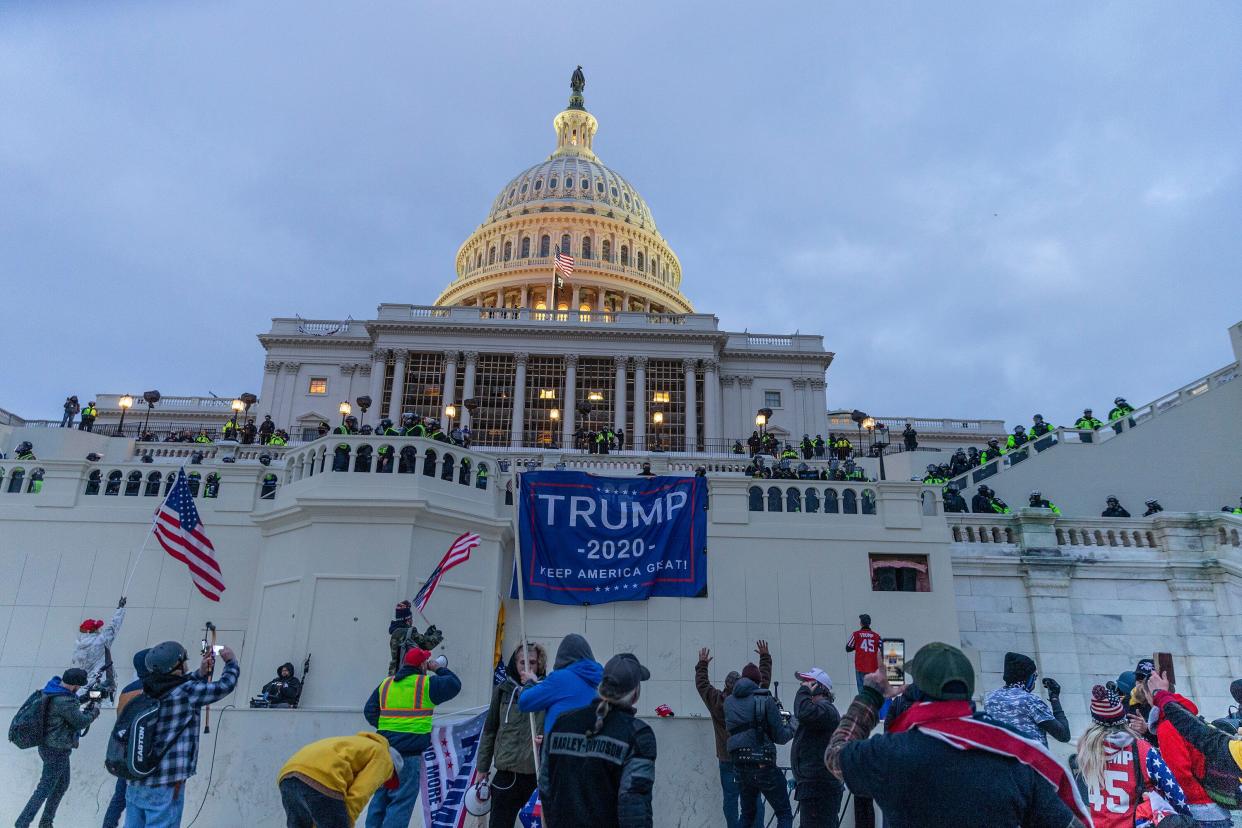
pixel 458 553
pixel 179 530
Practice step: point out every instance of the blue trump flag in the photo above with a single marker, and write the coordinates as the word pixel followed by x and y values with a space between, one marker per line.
pixel 591 540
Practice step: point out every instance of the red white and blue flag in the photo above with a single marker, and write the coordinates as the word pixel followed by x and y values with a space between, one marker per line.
pixel 458 553
pixel 564 264
pixel 179 530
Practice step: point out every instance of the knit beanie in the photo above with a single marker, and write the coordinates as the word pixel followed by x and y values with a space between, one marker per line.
pixel 75 676
pixel 1018 668
pixel 403 611
pixel 751 672
pixel 1106 706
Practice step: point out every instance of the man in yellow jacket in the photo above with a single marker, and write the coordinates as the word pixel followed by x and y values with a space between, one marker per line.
pixel 326 783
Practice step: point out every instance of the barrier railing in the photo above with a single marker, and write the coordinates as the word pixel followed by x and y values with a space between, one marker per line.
pixel 1082 534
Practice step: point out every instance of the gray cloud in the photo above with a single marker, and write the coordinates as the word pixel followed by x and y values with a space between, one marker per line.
pixel 987 212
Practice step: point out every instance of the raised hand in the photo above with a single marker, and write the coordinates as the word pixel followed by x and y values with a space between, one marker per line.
pixel 705 654
pixel 761 647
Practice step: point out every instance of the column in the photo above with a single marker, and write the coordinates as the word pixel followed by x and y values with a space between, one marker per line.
pixel 273 403
pixel 575 299
pixel 379 357
pixel 568 410
pixel 690 366
pixel 711 405
pixel 638 438
pixel 599 299
pixel 1052 628
pixel 525 296
pixel 819 406
pixel 798 408
pixel 398 384
pixel 347 376
pixel 519 399
pixel 291 392
pixel 618 393
pixel 1199 627
pixel 450 380
pixel 745 410
pixel 467 388
pixel 728 408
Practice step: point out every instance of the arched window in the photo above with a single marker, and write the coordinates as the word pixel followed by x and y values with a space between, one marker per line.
pixel 133 483
pixel 586 247
pixel 446 471
pixel 775 501
pixel 565 245
pixel 491 255
pixel 756 499
pixel 625 255
pixel 92 482
pixel 480 477
pixel 545 246
pixel 429 463
pixel 793 500
pixel 868 502
pixel 114 482
pixel 849 502
pixel 463 473
pixel 19 474
pixel 606 248
pixel 508 251
pixel 36 482
pixel 194 479
pixel 153 485
pixel 268 490
pixel 169 480
pixel 524 251
pixel 211 487
pixel 407 460
pixel 830 502
pixel 478 260
pixel 362 460
pixel 640 260
pixel 812 501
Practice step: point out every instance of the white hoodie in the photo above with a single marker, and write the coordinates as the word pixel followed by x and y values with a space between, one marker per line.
pixel 88 652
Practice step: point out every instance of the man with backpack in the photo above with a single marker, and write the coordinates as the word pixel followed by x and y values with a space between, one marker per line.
pixel 63 720
pixel 158 799
pixel 112 816
pixel 756 726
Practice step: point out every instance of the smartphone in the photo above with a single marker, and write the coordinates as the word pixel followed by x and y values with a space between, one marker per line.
pixel 1164 665
pixel 893 652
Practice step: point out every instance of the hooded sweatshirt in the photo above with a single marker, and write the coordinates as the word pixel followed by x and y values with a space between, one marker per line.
pixel 284 690
pixel 134 688
pixel 88 651
pixel 714 699
pixel 1185 760
pixel 443 686
pixel 570 685
pixel 349 768
pixel 753 718
pixel 506 732
pixel 64 718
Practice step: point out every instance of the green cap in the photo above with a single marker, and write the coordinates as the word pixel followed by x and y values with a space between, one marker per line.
pixel 937 667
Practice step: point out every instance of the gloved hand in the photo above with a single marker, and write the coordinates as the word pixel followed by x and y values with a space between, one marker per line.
pixel 1054 689
pixel 121 603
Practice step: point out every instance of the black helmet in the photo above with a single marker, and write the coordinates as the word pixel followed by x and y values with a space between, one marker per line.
pixel 931 467
pixel 24 446
pixel 1035 493
pixel 1039 416
pixel 351 420
pixel 993 440
pixel 1086 411
pixel 265 459
pixel 94 457
pixel 1016 429
pixel 1119 401
pixel 1111 499
pixel 163 658
pixel 386 423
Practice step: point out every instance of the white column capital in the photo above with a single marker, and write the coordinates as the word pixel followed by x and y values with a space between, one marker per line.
pixel 640 361
pixel 520 358
pixel 689 364
pixel 571 360
pixel 471 357
pixel 620 361
pixel 451 357
pixel 711 364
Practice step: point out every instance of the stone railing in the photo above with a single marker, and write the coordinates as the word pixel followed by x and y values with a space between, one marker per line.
pixel 923 425
pixel 368 454
pixel 1039 530
pixel 174 452
pixel 460 314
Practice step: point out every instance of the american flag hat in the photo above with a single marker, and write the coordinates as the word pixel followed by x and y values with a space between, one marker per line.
pixel 1106 706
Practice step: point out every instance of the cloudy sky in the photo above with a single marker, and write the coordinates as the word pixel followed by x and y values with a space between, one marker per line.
pixel 987 209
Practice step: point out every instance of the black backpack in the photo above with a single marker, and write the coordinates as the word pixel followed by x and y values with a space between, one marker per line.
pixel 30 722
pixel 132 748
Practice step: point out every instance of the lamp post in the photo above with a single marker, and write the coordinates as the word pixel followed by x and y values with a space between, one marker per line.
pixel 450 411
pixel 150 398
pixel 345 409
pixel 555 416
pixel 858 417
pixel 126 402
pixel 238 407
pixel 881 442
pixel 657 420
pixel 364 402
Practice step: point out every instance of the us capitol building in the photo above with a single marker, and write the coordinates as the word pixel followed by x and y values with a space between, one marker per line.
pixel 314 560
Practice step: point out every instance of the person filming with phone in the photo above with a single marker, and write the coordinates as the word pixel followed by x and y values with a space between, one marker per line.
pixel 939 764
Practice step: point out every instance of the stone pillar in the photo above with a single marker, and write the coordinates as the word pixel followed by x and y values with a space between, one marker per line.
pixel 274 403
pixel 618 393
pixel 516 434
pixel 728 408
pixel 450 381
pixel 576 298
pixel 347 376
pixel 569 412
pixel 819 407
pixel 799 426
pixel 467 388
pixel 711 404
pixel 398 384
pixel 638 437
pixel 291 369
pixel 379 358
pixel 1052 631
pixel 691 367
pixel 525 299
pixel 745 410
pixel 1205 660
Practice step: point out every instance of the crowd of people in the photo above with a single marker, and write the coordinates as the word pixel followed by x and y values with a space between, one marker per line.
pixel 785 469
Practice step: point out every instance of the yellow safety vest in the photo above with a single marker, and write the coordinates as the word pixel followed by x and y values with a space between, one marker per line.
pixel 406 706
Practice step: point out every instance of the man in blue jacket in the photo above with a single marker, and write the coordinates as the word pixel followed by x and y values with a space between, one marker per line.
pixel 401 710
pixel 570 685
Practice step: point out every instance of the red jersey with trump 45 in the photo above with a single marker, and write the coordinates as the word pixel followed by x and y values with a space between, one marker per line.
pixel 866 645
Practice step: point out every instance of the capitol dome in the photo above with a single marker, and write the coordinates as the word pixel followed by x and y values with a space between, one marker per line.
pixel 570 202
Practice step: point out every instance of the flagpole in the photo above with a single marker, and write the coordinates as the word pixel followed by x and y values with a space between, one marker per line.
pixel 134 569
pixel 517 559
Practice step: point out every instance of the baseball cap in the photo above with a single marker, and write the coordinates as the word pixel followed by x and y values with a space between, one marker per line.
pixel 815 674
pixel 622 674
pixel 943 672
pixel 415 657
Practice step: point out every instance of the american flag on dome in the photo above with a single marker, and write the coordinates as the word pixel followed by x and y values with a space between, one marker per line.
pixel 180 532
pixel 564 262
pixel 458 553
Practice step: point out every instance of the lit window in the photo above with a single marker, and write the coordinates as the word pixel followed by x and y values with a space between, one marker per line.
pixel 660 397
pixel 584 307
pixel 899 573
pixel 318 385
pixel 771 399
pixel 547 393
pixel 595 396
